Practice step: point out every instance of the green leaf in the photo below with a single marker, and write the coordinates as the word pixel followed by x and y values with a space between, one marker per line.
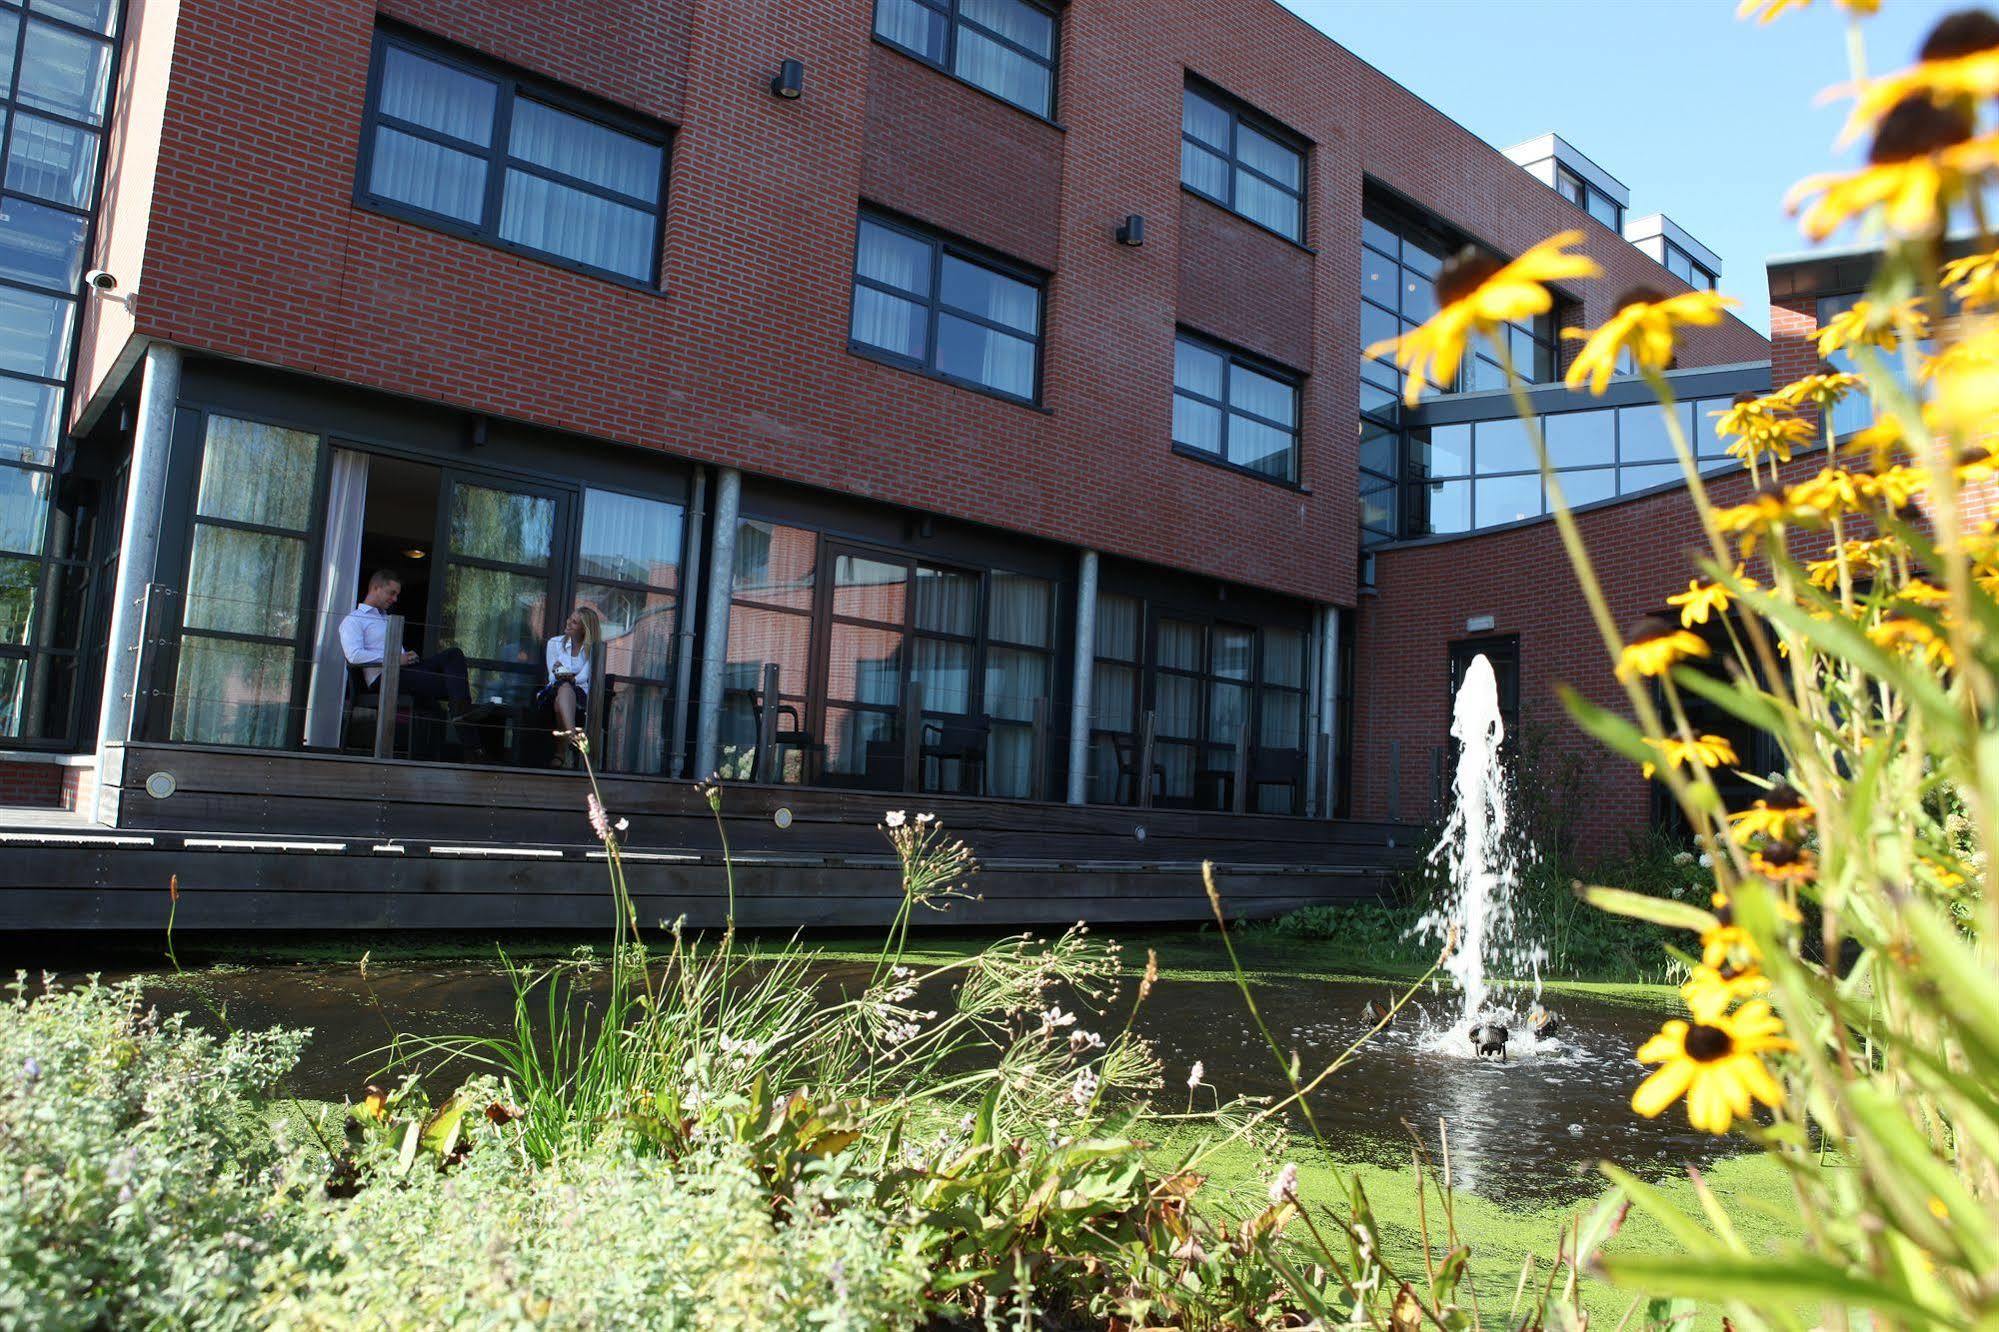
pixel 1612 730
pixel 1444 1286
pixel 1740 701
pixel 1656 910
pixel 1771 1281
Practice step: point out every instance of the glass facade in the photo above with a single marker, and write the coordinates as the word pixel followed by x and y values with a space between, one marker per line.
pixel 1686 268
pixel 1006 47
pixel 56 61
pixel 1242 161
pixel 1855 411
pixel 1589 198
pixel 1468 475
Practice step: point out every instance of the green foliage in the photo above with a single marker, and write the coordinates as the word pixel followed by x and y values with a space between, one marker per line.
pixel 136 1176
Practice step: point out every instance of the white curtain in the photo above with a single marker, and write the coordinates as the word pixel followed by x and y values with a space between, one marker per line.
pixel 588 151
pixel 585 227
pixel 339 574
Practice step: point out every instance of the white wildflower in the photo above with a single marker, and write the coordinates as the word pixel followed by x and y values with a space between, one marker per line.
pixel 1194 1075
pixel 1084 1089
pixel 895 818
pixel 1085 1040
pixel 1285 1187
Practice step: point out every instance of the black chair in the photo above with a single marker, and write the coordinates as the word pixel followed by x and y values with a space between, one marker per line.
pixel 810 748
pixel 1277 767
pixel 363 707
pixel 963 742
pixel 1126 749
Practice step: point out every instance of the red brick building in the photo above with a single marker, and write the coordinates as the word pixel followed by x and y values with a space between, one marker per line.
pixel 989 368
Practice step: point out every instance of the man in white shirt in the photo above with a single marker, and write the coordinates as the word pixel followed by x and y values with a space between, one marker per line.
pixel 364 640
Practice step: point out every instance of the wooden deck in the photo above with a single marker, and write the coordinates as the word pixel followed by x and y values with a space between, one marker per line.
pixel 263 840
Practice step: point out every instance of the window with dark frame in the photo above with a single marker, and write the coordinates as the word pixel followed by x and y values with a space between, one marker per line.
pixel 1244 161
pixel 1235 408
pixel 931 304
pixel 1687 268
pixel 1005 47
pixel 1589 198
pixel 470 148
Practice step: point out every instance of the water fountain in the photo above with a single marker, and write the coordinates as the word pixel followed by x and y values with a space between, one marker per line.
pixel 1480 856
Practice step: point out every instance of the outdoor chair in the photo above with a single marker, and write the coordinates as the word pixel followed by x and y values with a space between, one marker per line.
pixel 1277 767
pixel 1126 749
pixel 363 705
pixel 962 742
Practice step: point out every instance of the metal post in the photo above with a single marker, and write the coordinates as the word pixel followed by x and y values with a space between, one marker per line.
pixel 138 538
pixel 388 687
pixel 1315 667
pixel 715 625
pixel 1037 759
pixel 593 707
pixel 1239 779
pixel 912 737
pixel 1082 681
pixel 1329 711
pixel 142 669
pixel 683 652
pixel 763 770
pixel 1395 781
pixel 1144 776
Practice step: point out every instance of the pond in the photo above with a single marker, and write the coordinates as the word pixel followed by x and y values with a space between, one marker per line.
pixel 1529 1131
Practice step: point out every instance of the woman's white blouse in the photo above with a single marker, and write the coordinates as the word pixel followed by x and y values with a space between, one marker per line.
pixel 561 658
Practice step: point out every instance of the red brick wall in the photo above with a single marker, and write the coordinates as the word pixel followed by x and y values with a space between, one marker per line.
pixel 255 250
pixel 30 783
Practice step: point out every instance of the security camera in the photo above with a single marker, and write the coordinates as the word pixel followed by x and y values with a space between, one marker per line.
pixel 101 279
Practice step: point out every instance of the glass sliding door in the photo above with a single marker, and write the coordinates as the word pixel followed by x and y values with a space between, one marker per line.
pixel 1020 669
pixel 628 569
pixel 771 621
pixel 496 564
pixel 865 669
pixel 245 632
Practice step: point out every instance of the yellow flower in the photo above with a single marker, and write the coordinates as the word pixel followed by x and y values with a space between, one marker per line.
pixel 1643 326
pixel 1655 643
pixel 1782 862
pixel 1965 380
pixel 1479 295
pixel 1698 601
pixel 1923 161
pixel 1974 279
pixel 1766 11
pixel 1773 436
pixel 1715 1062
pixel 1915 636
pixel 1821 391
pixel 1727 945
pixel 1781 815
pixel 1871 324
pixel 1922 593
pixel 1719 987
pixel 1710 751
pixel 1957 64
pixel 1861 560
pixel 1765 507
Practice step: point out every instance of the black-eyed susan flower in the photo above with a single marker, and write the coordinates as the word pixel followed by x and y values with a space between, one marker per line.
pixel 1645 326
pixel 1771 435
pixel 1710 751
pixel 1727 944
pixel 1784 862
pixel 1699 601
pixel 1477 295
pixel 1922 162
pixel 1821 391
pixel 1721 987
pixel 1921 592
pixel 1881 325
pixel 1654 644
pixel 1914 635
pixel 1781 815
pixel 1748 520
pixel 1974 280
pixel 1957 65
pixel 1716 1062
pixel 1861 557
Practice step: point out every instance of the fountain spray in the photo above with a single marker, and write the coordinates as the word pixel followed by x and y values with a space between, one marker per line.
pixel 1480 858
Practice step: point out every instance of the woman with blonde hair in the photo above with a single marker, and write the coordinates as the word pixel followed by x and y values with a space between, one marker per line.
pixel 569 655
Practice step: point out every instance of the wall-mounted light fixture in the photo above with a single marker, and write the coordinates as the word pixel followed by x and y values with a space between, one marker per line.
pixel 1131 231
pixel 790 81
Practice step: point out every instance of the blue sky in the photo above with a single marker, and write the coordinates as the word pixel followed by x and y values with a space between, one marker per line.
pixel 1704 118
